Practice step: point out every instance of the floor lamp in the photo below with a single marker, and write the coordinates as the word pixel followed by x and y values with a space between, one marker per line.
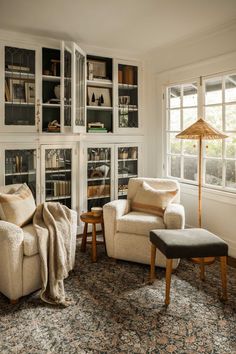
pixel 201 130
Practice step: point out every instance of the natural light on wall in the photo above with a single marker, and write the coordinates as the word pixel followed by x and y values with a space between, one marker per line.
pixel 218 105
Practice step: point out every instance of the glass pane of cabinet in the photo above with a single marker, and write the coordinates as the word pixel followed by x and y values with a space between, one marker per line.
pixel 127 168
pixel 19 86
pixel 51 90
pixel 67 87
pixel 128 96
pixel 98 177
pixel 58 169
pixel 79 88
pixel 20 167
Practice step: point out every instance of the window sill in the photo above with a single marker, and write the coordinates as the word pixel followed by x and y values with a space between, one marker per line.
pixel 209 193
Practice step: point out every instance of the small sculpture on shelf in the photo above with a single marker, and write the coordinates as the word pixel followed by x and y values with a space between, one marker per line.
pixel 54 126
pixel 100 99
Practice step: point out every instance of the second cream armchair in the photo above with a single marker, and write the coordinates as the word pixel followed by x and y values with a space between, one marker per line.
pixel 127 231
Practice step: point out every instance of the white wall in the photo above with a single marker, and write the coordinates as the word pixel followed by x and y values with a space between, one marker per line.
pixel 183 61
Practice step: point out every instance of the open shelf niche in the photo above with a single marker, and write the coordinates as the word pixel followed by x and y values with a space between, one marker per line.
pixel 51 75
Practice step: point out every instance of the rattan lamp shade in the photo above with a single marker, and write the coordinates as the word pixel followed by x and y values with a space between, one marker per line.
pixel 201 129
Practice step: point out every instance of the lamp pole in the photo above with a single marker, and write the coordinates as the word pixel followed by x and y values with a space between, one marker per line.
pixel 200 184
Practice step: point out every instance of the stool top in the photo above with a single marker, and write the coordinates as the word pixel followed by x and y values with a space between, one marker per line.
pixel 89 217
pixel 188 243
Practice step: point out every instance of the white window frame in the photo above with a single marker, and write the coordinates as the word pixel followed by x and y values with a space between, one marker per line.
pixel 201 113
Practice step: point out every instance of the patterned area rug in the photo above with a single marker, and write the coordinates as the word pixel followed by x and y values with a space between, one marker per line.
pixel 116 311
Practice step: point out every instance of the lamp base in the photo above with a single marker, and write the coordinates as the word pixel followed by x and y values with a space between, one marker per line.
pixel 202 262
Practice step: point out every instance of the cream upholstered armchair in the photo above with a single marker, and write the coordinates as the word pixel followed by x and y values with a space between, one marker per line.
pixel 127 231
pixel 19 257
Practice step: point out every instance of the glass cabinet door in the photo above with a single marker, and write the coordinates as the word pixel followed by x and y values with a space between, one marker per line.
pixel 58 175
pixel 127 97
pixel 67 86
pixel 20 167
pixel 127 167
pixel 78 90
pixel 20 87
pixel 99 172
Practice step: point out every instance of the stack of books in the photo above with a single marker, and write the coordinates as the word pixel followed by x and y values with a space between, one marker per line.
pixel 97 130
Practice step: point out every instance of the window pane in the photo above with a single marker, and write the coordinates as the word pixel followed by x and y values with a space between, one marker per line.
pixel 230 117
pixel 189 116
pixel 213 172
pixel 174 166
pixel 174 96
pixel 213 91
pixel 175 119
pixel 213 115
pixel 174 144
pixel 230 88
pixel 190 95
pixel 190 147
pixel 190 168
pixel 230 174
pixel 213 148
pixel 230 147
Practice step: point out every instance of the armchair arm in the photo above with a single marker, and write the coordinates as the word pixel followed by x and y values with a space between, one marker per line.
pixel 111 212
pixel 11 260
pixel 174 216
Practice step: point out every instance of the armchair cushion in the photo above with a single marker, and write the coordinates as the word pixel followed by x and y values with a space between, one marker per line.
pixel 139 223
pixel 152 201
pixel 17 207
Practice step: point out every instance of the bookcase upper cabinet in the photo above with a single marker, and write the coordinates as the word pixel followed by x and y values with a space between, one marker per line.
pixel 44 88
pixel 127 96
pixel 63 89
pixel 20 90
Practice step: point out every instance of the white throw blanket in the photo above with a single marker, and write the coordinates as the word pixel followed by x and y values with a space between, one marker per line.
pixel 52 222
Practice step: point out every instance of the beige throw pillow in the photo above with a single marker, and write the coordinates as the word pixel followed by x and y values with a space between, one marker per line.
pixel 152 201
pixel 18 207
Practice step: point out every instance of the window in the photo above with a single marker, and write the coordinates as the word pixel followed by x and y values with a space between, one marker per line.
pixel 218 107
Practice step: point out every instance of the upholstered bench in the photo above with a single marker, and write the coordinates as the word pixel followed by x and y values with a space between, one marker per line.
pixel 187 243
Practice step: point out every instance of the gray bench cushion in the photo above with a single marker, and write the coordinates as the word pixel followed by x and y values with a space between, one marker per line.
pixel 188 243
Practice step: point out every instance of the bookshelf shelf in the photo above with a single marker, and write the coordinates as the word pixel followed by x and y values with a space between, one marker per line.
pixel 51 78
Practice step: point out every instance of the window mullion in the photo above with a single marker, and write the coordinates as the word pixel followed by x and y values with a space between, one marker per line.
pixel 223 142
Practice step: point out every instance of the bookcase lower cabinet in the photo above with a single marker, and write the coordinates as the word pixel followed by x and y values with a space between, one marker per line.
pixel 127 166
pixel 109 168
pixel 100 170
pixel 58 174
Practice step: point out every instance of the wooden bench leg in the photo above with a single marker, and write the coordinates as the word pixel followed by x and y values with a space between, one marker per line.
pixel 94 244
pixel 152 266
pixel 168 280
pixel 223 269
pixel 84 239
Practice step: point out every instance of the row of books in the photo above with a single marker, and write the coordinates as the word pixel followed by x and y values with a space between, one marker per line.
pixel 55 161
pixel 59 188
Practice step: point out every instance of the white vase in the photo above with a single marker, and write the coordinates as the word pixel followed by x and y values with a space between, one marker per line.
pixel 57 91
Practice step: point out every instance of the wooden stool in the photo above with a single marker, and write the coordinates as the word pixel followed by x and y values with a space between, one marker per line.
pixel 187 243
pixel 90 218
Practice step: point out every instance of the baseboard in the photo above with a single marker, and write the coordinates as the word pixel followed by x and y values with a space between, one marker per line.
pixel 232 261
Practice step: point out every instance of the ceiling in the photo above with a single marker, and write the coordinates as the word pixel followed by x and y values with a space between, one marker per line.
pixel 133 25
